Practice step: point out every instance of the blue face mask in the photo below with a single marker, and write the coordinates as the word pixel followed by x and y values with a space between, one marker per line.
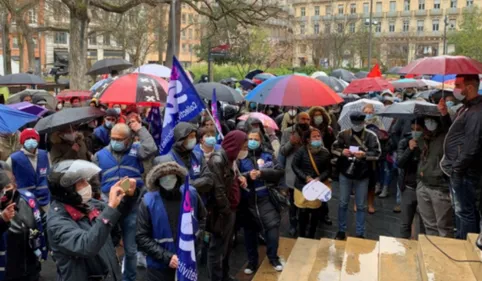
pixel 108 124
pixel 416 134
pixel 316 143
pixel 118 110
pixel 450 104
pixel 252 105
pixel 30 144
pixel 210 141
pixel 253 144
pixel 368 116
pixel 117 145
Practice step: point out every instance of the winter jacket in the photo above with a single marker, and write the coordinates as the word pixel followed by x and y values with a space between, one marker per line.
pixel 62 149
pixel 408 160
pixel 303 167
pixel 82 246
pixel 371 147
pixel 288 150
pixel 271 141
pixel 325 128
pixel 429 171
pixel 463 143
pixel 9 143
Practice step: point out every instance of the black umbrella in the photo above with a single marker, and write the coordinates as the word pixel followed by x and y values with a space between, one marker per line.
pixel 21 79
pixel 348 97
pixel 434 94
pixel 410 109
pixel 334 83
pixel 361 74
pixel 106 66
pixel 394 70
pixel 50 99
pixel 223 92
pixel 228 80
pixel 253 73
pixel 343 74
pixel 67 117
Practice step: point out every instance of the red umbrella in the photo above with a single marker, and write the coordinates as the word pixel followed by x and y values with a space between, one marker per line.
pixel 366 85
pixel 66 95
pixel 443 65
pixel 134 88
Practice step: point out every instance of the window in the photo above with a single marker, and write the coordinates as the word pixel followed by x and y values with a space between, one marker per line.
pixel 303 11
pixel 340 9
pixel 353 8
pixel 106 39
pixel 184 47
pixel 452 24
pixel 302 29
pixel 302 48
pixel 435 25
pixel 32 16
pixel 34 42
pixel 378 28
pixel 366 8
pixel 421 5
pixel 93 39
pixel 378 7
pixel 420 25
pixel 60 38
pixel 470 3
pixel 453 3
pixel 190 48
pixel 352 27
pixel 339 27
pixel 190 18
pixel 15 43
pixel 391 26
pixel 406 5
pixel 317 10
pixel 406 25
pixel 183 34
pixel 328 28
pixel 190 33
pixel 183 17
pixel 393 6
pixel 328 10
pixel 436 4
pixel 316 28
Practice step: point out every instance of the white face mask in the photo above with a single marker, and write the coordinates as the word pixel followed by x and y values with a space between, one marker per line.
pixel 70 136
pixel 292 112
pixel 242 154
pixel 318 120
pixel 168 182
pixel 85 193
pixel 431 125
pixel 458 94
pixel 358 128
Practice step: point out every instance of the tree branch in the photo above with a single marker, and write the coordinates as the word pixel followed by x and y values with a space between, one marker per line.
pixel 119 9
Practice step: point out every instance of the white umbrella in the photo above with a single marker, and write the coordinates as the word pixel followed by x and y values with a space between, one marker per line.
pixel 431 83
pixel 356 106
pixel 318 73
pixel 155 70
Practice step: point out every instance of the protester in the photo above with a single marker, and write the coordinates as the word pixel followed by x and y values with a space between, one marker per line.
pixel 75 102
pixel 40 101
pixel 207 142
pixel 68 144
pixel 9 212
pixel 261 170
pixel 122 159
pixel 462 153
pixel 269 137
pixel 311 162
pixel 24 247
pixel 225 197
pixel 79 228
pixel 356 148
pixel 433 196
pixel 30 166
pixel 371 118
pixel 288 118
pixel 158 219
pixel 26 97
pixel 102 133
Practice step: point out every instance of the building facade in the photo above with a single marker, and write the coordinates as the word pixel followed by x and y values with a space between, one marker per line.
pixel 403 30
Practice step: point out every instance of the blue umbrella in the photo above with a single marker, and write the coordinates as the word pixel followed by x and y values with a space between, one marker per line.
pixel 442 78
pixel 100 83
pixel 11 119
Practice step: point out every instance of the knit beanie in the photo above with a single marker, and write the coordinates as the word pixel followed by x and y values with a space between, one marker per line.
pixel 28 134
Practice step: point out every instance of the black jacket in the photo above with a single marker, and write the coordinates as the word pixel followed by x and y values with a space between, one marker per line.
pixel 303 168
pixel 429 171
pixel 463 143
pixel 408 161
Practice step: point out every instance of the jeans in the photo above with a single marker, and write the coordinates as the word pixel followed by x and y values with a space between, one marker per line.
pixel 128 225
pixel 271 237
pixel 467 217
pixel 436 211
pixel 361 192
pixel 385 171
pixel 220 248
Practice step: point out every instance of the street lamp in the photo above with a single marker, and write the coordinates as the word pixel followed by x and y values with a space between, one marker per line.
pixel 370 35
pixel 446 21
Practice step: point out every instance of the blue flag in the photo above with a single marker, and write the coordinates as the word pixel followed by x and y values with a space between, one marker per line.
pixel 183 104
pixel 186 251
pixel 155 125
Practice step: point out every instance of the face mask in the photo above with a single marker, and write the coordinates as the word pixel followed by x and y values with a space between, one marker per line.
pixel 85 193
pixel 431 125
pixel 292 112
pixel 304 127
pixel 118 110
pixel 6 198
pixel 368 116
pixel 70 136
pixel 190 144
pixel 30 144
pixel 242 154
pixel 117 145
pixel 253 144
pixel 318 120
pixel 416 134
pixel 108 124
pixel 450 104
pixel 168 182
pixel 59 106
pixel 458 94
pixel 358 128
pixel 316 143
pixel 210 141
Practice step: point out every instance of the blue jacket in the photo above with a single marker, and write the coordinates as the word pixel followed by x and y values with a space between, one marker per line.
pixel 112 171
pixel 161 230
pixel 253 163
pixel 103 134
pixel 29 179
pixel 198 149
pixel 196 162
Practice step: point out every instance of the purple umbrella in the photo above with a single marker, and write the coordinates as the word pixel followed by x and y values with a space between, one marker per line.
pixel 29 108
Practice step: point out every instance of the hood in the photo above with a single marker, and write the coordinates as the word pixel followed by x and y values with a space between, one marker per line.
pixel 249 125
pixel 229 112
pixel 181 131
pixel 326 116
pixel 163 169
pixel 233 143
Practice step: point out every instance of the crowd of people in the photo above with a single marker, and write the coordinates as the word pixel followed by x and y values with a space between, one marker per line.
pixel 78 193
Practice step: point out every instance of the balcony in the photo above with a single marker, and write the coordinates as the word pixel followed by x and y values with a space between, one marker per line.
pixel 405 13
pixel 353 16
pixel 377 15
pixel 340 17
pixel 366 15
pixel 435 12
pixel 421 13
pixel 453 11
pixel 315 18
pixel 303 18
pixel 327 17
pixel 392 14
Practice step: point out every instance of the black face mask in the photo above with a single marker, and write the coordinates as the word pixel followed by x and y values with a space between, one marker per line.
pixel 6 198
pixel 304 127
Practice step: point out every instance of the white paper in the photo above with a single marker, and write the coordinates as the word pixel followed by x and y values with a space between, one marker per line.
pixel 354 149
pixel 317 190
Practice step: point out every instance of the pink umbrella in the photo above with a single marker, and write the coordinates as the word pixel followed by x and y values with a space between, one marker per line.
pixel 265 119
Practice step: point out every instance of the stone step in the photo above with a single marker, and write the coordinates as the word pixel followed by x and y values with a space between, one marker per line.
pixel 398 260
pixel 329 259
pixel 300 262
pixel 434 265
pixel 265 271
pixel 360 262
pixel 474 253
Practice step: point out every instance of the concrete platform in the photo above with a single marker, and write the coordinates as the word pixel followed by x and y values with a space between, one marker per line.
pixel 301 260
pixel 329 260
pixel 474 253
pixel 398 260
pixel 360 262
